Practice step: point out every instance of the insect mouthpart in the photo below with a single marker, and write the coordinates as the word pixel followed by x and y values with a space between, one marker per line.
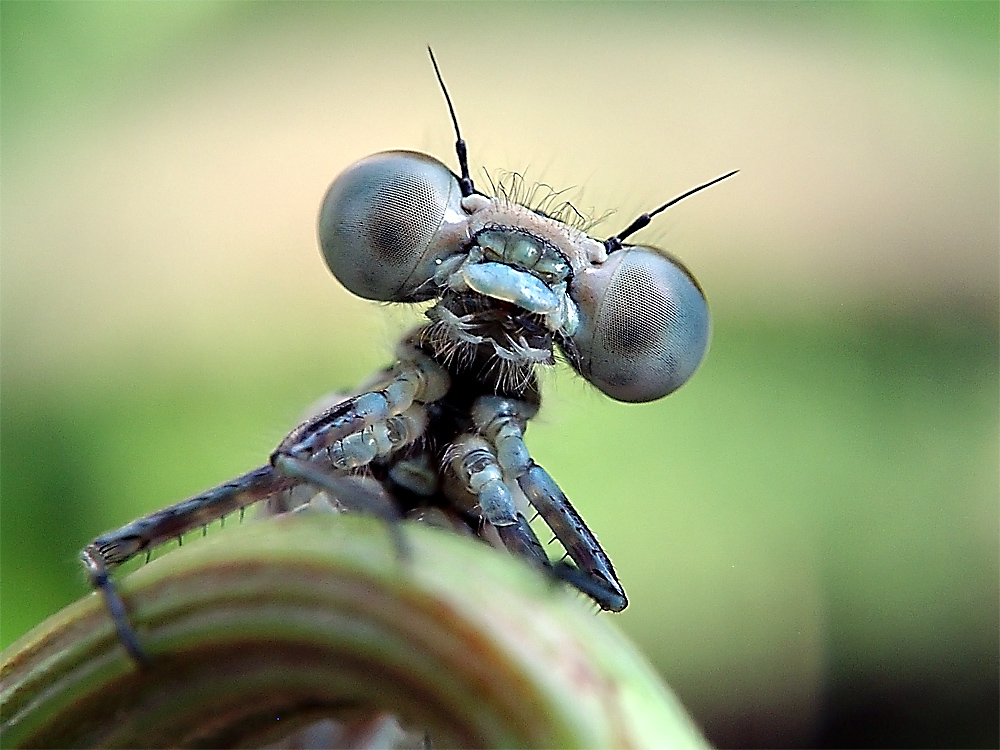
pixel 522 249
pixel 517 277
pixel 472 319
pixel 508 284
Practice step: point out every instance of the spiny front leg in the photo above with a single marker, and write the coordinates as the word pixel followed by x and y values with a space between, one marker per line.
pixel 116 547
pixel 472 461
pixel 389 416
pixel 501 422
pixel 318 452
pixel 346 436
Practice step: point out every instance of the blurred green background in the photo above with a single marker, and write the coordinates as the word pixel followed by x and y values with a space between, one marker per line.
pixel 808 531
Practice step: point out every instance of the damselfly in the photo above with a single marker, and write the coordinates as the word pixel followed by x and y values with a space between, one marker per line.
pixel 439 434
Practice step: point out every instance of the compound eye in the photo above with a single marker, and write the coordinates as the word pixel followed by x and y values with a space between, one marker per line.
pixel 386 220
pixel 644 324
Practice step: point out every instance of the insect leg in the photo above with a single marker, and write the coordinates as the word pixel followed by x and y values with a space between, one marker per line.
pixel 583 547
pixel 521 540
pixel 471 460
pixel 346 431
pixel 390 415
pixel 116 547
pixel 357 493
pixel 378 438
pixel 112 549
pixel 501 421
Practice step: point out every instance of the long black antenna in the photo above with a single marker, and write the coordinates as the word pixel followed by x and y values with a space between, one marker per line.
pixel 615 243
pixel 464 182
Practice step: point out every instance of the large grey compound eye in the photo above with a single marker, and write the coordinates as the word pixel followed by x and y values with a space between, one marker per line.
pixel 644 324
pixel 386 220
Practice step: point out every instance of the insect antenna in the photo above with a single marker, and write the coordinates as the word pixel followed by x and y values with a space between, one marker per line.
pixel 465 181
pixel 615 243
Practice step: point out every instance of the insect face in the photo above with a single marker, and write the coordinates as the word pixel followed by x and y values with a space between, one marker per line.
pixel 633 322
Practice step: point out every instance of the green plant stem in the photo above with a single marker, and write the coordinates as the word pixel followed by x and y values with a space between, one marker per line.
pixel 274 625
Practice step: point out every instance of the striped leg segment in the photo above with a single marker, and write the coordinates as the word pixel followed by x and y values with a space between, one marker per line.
pixel 474 463
pixel 501 421
pixel 388 415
